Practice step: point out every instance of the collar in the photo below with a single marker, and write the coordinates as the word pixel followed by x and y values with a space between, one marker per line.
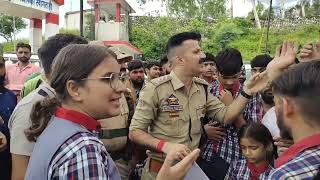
pixel 176 82
pixel 27 66
pixel 235 88
pixel 257 170
pixel 78 118
pixel 297 148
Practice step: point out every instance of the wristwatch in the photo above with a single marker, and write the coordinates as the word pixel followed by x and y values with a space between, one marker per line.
pixel 244 94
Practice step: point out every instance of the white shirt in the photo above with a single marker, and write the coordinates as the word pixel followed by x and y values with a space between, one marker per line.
pixel 270 121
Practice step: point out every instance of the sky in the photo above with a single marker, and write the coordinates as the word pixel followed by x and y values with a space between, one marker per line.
pixel 241 8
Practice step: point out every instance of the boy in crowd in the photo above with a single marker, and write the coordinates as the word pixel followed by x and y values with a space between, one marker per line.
pixel 209 68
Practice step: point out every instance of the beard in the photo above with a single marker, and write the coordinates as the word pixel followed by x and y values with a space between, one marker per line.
pixel 267 97
pixel 24 59
pixel 284 130
pixel 137 83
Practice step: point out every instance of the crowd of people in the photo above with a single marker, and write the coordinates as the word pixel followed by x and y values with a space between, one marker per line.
pixel 92 112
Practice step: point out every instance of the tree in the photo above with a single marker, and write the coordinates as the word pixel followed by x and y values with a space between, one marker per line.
pixel 89 28
pixel 7 27
pixel 203 9
pixel 256 17
pixel 69 31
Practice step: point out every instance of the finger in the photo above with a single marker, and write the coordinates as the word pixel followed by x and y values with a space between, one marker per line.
pixel 276 138
pixel 284 48
pixel 306 51
pixel 317 45
pixel 278 50
pixel 295 48
pixel 169 160
pixel 307 46
pixel 186 163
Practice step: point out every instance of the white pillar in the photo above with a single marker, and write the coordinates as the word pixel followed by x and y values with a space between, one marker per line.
pixel 52 25
pixel 35 34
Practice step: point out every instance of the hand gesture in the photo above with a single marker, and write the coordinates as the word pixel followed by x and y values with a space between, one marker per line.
pixel 3 142
pixel 215 133
pixel 226 97
pixel 179 151
pixel 178 171
pixel 256 83
pixel 282 144
pixel 310 52
pixel 285 56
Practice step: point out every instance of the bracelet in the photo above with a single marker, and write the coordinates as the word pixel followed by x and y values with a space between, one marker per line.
pixel 160 145
pixel 244 94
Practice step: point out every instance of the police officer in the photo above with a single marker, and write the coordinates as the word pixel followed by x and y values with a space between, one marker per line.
pixel 167 117
pixel 114 131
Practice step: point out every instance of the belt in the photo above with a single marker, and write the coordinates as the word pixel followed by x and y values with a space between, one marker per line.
pixel 113 133
pixel 155 165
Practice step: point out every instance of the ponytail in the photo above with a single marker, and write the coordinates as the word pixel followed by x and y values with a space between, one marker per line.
pixel 40 116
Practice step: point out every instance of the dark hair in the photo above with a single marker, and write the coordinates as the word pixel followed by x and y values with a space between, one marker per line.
pixel 261 134
pixel 209 58
pixel 302 83
pixel 164 60
pixel 135 64
pixel 73 62
pixel 53 45
pixel 261 61
pixel 229 61
pixel 23 45
pixel 152 63
pixel 178 39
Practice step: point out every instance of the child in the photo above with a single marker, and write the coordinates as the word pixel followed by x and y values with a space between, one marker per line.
pixel 256 144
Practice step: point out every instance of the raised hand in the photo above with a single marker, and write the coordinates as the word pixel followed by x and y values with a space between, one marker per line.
pixel 310 52
pixel 285 56
pixel 256 83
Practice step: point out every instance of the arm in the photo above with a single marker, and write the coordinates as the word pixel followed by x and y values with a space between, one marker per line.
pixel 145 113
pixel 19 166
pixel 142 138
pixel 20 147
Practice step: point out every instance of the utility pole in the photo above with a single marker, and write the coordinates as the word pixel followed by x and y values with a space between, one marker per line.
pixel 81 18
pixel 268 28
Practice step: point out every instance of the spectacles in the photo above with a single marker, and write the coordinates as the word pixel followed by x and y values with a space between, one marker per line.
pixel 114 80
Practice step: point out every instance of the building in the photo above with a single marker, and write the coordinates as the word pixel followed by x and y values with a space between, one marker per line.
pixel 36 11
pixel 111 24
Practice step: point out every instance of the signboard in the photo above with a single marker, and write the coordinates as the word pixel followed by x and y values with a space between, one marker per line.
pixel 49 6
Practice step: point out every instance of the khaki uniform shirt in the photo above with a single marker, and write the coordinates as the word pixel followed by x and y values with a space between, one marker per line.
pixel 167 112
pixel 115 130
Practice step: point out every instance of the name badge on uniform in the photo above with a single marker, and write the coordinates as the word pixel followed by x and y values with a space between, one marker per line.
pixel 172 106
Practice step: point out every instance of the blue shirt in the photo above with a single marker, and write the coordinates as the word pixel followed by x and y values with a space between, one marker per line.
pixel 8 102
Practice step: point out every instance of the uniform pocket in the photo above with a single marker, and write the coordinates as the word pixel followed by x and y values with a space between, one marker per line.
pixel 175 124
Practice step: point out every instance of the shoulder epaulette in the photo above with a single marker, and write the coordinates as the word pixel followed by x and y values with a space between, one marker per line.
pixel 200 81
pixel 160 80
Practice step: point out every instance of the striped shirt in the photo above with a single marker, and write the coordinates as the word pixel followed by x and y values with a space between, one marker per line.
pixel 239 170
